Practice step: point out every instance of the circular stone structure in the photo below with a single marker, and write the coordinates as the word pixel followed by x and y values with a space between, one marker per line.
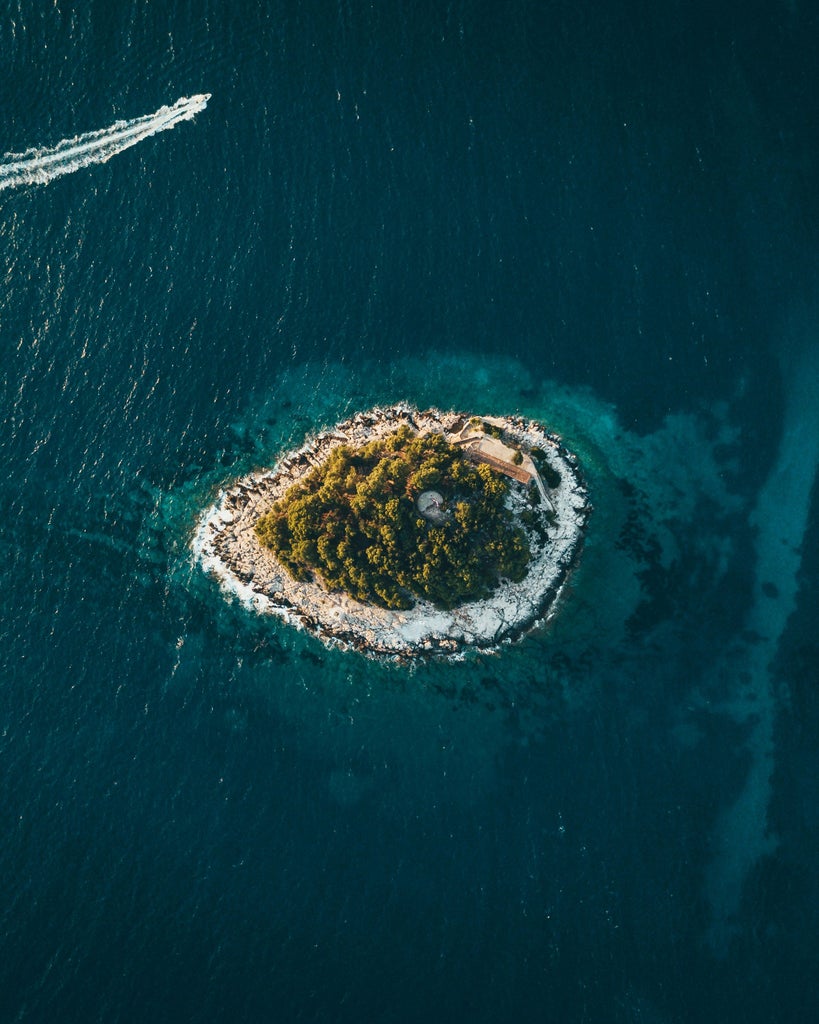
pixel 547 498
pixel 431 506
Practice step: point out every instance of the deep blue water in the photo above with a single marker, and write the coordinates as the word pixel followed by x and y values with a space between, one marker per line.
pixel 603 218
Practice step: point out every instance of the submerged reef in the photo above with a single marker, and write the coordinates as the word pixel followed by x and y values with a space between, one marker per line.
pixel 402 533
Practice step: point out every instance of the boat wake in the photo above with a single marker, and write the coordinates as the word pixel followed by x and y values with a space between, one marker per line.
pixel 39 166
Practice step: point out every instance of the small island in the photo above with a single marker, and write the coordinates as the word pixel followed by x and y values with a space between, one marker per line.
pixel 403 533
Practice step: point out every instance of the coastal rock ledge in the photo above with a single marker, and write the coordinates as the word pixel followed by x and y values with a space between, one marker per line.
pixel 226 545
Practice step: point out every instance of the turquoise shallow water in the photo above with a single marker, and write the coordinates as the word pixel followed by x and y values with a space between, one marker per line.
pixel 603 221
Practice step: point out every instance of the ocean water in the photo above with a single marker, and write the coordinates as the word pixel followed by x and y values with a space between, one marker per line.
pixel 602 218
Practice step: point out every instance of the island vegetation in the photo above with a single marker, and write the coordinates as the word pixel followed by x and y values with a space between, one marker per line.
pixel 353 522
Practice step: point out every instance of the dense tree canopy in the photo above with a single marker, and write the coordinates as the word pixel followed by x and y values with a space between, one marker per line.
pixel 353 521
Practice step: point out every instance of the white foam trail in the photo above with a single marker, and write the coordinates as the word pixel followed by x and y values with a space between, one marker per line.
pixel 39 166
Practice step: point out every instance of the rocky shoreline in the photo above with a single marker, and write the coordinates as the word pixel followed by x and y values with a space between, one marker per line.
pixel 226 546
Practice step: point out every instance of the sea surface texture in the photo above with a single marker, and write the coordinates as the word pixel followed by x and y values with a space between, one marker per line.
pixel 600 216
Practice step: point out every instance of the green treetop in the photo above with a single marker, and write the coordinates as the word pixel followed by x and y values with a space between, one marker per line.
pixel 354 523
